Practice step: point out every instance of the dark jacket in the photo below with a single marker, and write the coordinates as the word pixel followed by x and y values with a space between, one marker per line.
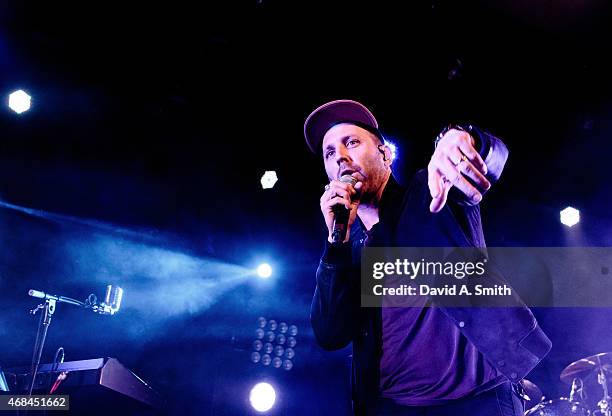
pixel 509 338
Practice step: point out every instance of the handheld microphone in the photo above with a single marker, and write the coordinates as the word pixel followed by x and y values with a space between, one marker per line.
pixel 341 215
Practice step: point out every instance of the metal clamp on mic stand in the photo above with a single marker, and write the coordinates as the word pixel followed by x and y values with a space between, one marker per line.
pixel 110 306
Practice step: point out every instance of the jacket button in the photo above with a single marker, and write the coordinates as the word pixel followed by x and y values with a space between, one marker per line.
pixel 513 376
pixel 461 324
pixel 501 363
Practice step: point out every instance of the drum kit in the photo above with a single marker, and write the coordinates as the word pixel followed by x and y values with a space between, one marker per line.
pixel 581 375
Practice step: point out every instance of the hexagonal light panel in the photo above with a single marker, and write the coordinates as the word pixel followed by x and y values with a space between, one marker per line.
pixel 19 101
pixel 570 216
pixel 269 179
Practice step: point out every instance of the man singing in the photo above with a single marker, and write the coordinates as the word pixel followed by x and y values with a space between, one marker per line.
pixel 423 359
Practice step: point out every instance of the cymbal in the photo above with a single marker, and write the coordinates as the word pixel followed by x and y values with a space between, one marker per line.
pixel 587 366
pixel 533 392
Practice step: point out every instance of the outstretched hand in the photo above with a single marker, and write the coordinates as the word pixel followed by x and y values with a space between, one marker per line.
pixel 454 160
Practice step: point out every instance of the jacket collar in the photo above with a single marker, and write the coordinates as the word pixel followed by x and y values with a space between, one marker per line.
pixel 389 208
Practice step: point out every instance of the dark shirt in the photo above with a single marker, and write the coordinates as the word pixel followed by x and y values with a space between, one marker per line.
pixel 426 360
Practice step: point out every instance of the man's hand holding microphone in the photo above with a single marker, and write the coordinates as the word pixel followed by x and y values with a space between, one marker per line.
pixel 339 205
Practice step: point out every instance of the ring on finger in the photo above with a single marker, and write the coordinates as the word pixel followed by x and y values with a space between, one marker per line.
pixel 463 159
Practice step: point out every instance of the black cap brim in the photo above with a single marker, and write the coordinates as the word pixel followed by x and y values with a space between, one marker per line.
pixel 332 113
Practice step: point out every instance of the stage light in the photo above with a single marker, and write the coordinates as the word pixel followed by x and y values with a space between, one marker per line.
pixel 269 179
pixel 570 216
pixel 19 101
pixel 266 359
pixel 273 348
pixel 262 397
pixel 279 350
pixel 264 270
pixel 291 342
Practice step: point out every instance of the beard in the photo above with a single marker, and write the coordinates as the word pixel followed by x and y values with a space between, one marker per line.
pixel 371 189
pixel 368 193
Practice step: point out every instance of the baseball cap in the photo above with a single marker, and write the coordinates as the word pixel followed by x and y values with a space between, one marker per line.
pixel 332 113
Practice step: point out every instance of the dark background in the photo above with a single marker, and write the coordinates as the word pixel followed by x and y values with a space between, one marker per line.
pixel 151 126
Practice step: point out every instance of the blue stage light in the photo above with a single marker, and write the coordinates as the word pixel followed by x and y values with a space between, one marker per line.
pixel 274 348
pixel 293 330
pixel 264 270
pixel 266 359
pixel 291 341
pixel 262 397
pixel 287 365
pixel 279 350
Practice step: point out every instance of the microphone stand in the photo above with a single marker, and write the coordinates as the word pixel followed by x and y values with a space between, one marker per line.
pixel 41 334
pixel 110 306
pixel 48 310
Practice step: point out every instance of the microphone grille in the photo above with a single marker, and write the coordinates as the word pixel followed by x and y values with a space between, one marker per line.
pixel 348 179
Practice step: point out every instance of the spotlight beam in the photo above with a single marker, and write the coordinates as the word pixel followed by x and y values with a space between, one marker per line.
pixel 62 218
